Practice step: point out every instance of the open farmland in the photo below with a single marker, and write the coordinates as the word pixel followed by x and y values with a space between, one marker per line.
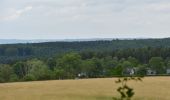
pixel 152 88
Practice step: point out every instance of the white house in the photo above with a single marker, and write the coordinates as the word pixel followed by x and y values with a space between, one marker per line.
pixel 168 71
pixel 82 75
pixel 150 71
pixel 128 71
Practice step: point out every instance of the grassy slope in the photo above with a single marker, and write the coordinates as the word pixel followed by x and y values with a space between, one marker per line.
pixel 157 88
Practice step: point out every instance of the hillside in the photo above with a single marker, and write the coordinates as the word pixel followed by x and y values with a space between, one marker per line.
pixel 11 52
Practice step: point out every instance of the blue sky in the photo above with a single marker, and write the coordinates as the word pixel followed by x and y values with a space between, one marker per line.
pixel 72 19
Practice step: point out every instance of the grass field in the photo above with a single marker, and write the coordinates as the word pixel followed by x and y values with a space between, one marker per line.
pixel 152 88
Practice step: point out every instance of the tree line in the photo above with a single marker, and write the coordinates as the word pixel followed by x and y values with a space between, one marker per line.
pixel 10 53
pixel 88 64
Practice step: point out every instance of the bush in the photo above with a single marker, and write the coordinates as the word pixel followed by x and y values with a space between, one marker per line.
pixel 2 80
pixel 124 90
pixel 29 77
pixel 14 78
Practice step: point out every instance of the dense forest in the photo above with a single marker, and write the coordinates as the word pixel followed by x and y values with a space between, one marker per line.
pixel 12 52
pixel 90 59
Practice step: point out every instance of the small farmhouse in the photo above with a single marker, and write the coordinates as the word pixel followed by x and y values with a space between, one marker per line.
pixel 150 71
pixel 168 71
pixel 128 71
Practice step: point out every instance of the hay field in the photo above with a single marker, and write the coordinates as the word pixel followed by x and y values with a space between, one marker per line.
pixel 152 88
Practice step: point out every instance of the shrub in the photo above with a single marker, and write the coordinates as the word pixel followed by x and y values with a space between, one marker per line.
pixel 29 77
pixel 124 90
pixel 14 78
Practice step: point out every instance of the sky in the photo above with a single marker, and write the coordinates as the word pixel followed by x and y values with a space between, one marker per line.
pixel 76 19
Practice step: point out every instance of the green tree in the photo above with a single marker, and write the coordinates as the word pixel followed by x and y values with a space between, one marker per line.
pixel 20 69
pixel 29 77
pixel 59 73
pixel 157 64
pixel 133 61
pixel 87 67
pixel 118 70
pixel 11 51
pixel 97 69
pixel 6 73
pixel 70 63
pixel 51 62
pixel 141 70
pixel 127 64
pixel 38 69
pixel 109 64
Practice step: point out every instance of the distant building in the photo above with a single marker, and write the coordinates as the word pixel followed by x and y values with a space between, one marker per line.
pixel 82 75
pixel 150 72
pixel 168 71
pixel 128 71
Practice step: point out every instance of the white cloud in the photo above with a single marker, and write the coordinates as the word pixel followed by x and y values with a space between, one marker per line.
pixel 86 17
pixel 14 13
pixel 161 7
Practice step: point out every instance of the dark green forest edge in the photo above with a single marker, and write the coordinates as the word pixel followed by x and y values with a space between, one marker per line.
pixel 88 59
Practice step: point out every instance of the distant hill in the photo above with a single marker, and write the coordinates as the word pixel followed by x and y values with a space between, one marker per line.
pixel 16 41
pixel 32 48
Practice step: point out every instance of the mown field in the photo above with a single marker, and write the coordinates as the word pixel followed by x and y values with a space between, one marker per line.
pixel 152 88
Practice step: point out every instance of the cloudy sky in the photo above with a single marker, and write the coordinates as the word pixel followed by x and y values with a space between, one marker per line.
pixel 71 19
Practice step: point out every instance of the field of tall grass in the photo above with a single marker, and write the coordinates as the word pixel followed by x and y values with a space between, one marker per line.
pixel 152 88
